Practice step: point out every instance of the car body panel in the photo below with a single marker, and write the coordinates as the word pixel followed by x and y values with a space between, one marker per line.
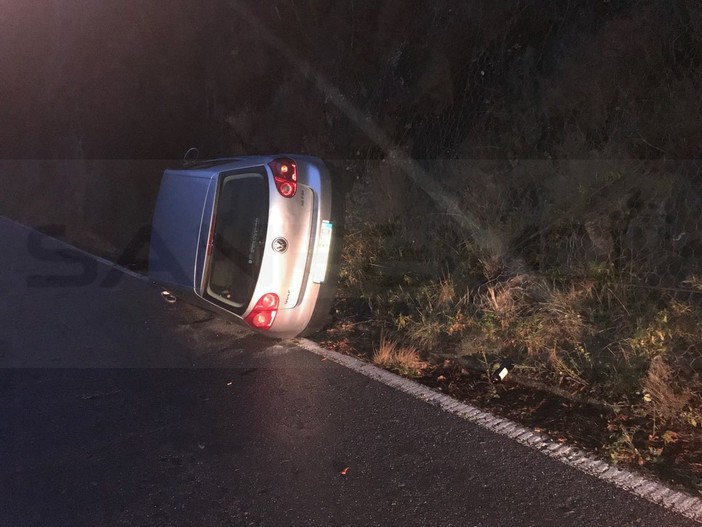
pixel 290 222
pixel 176 228
pixel 190 224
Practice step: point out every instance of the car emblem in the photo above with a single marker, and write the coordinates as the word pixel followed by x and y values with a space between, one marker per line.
pixel 280 245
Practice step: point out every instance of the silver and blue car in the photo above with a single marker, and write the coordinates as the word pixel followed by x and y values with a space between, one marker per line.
pixel 253 237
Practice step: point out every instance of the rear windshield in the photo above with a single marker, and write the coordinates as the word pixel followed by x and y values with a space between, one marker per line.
pixel 239 238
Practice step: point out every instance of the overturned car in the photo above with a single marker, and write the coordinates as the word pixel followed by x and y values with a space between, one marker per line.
pixel 255 238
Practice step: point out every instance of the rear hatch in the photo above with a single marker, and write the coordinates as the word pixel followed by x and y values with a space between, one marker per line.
pixel 260 241
pixel 286 263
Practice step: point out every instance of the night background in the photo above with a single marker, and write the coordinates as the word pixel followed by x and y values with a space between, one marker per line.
pixel 136 80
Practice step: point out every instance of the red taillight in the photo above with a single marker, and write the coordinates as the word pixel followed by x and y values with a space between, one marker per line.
pixel 263 313
pixel 285 175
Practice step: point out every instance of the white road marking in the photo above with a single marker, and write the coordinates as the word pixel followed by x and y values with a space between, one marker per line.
pixel 648 489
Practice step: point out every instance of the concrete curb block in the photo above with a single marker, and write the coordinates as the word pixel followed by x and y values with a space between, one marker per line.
pixel 648 489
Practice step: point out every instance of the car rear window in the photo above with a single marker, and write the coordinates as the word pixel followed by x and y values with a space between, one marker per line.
pixel 239 239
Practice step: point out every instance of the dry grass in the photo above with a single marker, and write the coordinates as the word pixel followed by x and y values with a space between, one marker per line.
pixel 663 392
pixel 694 281
pixel 406 360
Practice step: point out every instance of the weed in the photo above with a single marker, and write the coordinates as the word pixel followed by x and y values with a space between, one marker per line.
pixel 622 448
pixel 405 360
pixel 663 392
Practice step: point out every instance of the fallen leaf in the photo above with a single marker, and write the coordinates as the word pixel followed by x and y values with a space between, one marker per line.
pixel 669 437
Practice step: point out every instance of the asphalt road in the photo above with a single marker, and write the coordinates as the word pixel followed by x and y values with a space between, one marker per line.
pixel 119 409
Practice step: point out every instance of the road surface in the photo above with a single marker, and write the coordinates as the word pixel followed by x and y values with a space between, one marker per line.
pixel 119 409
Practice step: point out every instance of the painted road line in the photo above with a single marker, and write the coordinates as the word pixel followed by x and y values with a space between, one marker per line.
pixel 648 489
